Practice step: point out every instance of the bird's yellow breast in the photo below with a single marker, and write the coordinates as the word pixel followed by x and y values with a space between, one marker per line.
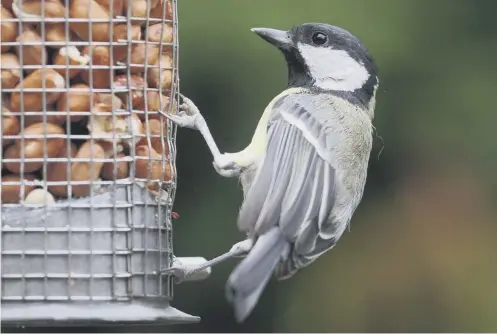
pixel 257 147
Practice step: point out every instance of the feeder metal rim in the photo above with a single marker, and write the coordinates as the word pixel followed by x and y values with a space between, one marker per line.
pixel 92 313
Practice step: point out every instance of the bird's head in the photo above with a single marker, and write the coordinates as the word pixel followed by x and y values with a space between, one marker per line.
pixel 325 57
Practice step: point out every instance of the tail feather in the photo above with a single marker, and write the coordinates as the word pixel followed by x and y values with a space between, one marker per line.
pixel 250 277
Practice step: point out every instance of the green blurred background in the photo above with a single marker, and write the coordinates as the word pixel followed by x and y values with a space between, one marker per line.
pixel 421 254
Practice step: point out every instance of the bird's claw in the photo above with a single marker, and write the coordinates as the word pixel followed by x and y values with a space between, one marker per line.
pixel 178 272
pixel 188 116
pixel 225 166
pixel 183 120
pixel 188 106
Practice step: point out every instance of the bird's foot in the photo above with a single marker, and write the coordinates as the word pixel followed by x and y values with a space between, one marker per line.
pixel 181 272
pixel 225 166
pixel 188 116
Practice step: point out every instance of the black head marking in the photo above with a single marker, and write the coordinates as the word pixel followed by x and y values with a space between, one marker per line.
pixel 321 35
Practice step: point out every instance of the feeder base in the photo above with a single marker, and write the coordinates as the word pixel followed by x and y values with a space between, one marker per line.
pixel 62 314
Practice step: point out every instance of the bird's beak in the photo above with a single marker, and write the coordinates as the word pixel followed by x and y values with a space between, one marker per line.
pixel 279 38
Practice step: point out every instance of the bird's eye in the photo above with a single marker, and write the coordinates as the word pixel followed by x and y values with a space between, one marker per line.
pixel 319 38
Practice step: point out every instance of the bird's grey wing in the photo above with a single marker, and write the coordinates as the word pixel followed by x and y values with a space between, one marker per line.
pixel 294 187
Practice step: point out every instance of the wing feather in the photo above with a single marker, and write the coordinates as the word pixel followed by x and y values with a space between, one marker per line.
pixel 295 185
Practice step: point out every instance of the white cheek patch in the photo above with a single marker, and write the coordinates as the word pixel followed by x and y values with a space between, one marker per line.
pixel 333 69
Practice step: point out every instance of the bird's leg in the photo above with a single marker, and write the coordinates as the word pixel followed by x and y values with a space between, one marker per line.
pixel 190 117
pixel 239 249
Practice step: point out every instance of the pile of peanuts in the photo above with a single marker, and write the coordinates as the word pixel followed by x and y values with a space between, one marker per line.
pixel 88 89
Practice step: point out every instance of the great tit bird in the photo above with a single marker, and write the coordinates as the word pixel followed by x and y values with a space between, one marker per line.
pixel 303 174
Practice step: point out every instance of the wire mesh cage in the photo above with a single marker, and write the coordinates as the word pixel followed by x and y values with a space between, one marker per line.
pixel 88 161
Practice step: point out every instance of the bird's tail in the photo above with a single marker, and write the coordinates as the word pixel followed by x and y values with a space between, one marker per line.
pixel 250 277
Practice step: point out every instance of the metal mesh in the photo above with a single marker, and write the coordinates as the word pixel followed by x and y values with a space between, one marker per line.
pixel 88 164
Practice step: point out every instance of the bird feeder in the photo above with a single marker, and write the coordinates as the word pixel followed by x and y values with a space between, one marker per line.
pixel 88 162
